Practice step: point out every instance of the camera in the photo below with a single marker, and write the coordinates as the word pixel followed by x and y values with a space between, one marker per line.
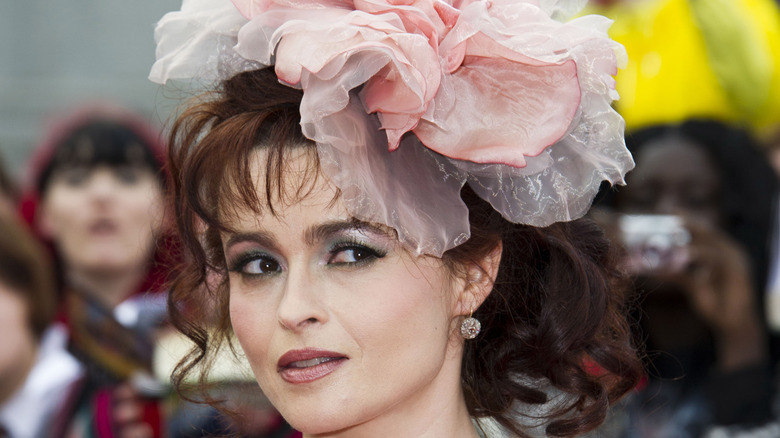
pixel 654 243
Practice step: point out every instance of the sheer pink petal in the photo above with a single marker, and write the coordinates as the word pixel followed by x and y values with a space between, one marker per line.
pixel 400 92
pixel 513 111
pixel 395 126
pixel 253 8
pixel 408 189
pixel 431 18
pixel 409 83
pixel 499 94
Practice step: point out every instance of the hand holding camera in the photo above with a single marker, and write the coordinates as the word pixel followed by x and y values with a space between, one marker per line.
pixel 710 267
pixel 654 243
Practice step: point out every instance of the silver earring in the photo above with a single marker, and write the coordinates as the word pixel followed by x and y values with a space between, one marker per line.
pixel 470 327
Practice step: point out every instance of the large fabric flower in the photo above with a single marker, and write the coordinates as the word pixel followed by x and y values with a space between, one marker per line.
pixel 451 76
pixel 408 100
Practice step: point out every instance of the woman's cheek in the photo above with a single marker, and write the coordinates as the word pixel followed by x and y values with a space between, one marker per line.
pixel 251 326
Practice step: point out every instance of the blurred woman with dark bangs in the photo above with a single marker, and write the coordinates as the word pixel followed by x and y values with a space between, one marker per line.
pixel 96 197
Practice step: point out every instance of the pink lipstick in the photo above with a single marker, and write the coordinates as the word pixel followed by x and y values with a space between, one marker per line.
pixel 308 365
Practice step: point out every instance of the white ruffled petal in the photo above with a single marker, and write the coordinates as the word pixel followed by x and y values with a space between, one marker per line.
pixel 197 42
pixel 408 189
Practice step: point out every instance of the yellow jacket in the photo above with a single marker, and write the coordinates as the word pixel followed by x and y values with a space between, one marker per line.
pixel 689 58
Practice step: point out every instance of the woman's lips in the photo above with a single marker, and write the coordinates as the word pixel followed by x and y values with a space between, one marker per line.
pixel 308 365
pixel 103 226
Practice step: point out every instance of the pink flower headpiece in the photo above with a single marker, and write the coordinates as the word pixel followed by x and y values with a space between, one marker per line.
pixel 498 94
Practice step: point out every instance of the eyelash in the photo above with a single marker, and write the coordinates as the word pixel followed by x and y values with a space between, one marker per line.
pixel 240 264
pixel 370 254
pixel 355 245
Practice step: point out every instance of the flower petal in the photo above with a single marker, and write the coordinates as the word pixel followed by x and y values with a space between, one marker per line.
pixel 512 111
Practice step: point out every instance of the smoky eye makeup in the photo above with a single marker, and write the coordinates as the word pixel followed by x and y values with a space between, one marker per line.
pixel 128 175
pixel 250 253
pixel 357 244
pixel 253 263
pixel 73 176
pixel 352 251
pixel 346 244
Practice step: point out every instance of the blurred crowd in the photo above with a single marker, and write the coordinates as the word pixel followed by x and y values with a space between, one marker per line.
pixel 86 248
pixel 698 216
pixel 85 252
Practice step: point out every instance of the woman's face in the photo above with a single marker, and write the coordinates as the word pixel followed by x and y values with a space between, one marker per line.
pixel 673 176
pixel 342 327
pixel 103 219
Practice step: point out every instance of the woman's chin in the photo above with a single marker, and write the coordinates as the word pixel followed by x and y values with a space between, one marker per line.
pixel 316 428
pixel 319 423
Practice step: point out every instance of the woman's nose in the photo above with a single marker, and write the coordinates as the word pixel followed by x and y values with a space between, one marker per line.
pixel 102 185
pixel 302 303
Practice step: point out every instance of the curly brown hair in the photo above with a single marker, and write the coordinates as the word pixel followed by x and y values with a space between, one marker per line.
pixel 556 313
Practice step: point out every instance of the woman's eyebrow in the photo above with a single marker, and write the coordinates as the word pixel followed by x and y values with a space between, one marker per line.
pixel 320 232
pixel 260 237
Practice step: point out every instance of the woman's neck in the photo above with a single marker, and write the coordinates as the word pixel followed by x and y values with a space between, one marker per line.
pixel 416 424
pixel 432 412
pixel 110 288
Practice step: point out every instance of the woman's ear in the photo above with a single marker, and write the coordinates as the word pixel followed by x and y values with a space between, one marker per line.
pixel 481 276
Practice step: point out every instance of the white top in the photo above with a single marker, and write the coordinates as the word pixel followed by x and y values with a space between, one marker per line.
pixel 27 413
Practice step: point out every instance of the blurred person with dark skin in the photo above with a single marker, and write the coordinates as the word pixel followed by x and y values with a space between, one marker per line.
pixel 96 198
pixel 37 374
pixel 708 350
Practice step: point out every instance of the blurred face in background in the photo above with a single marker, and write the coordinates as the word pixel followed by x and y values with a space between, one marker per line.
pixel 102 219
pixel 673 176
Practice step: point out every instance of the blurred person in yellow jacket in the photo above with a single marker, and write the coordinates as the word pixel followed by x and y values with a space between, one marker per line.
pixel 718 59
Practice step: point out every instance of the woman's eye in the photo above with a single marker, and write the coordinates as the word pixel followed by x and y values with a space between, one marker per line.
pixel 701 199
pixel 353 254
pixel 127 175
pixel 75 177
pixel 257 266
